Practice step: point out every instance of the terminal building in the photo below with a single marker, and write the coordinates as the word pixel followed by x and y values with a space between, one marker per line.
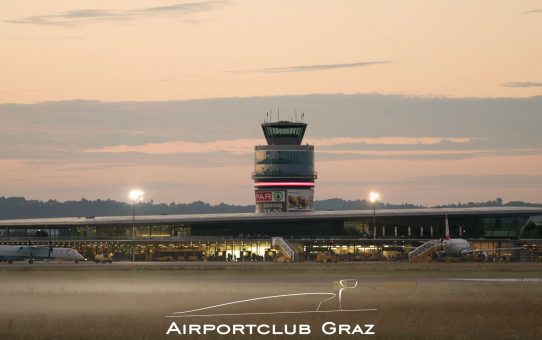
pixel 284 225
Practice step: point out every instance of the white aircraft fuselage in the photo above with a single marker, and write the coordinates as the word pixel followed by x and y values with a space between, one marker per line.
pixel 456 247
pixel 16 253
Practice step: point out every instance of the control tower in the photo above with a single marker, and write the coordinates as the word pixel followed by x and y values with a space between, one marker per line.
pixel 284 169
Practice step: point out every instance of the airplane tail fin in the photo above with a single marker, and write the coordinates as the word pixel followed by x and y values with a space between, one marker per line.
pixel 447 228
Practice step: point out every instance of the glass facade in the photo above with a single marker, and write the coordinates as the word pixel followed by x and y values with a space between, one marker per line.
pixel 470 227
pixel 284 133
pixel 172 251
pixel 387 227
pixel 282 164
pixel 288 131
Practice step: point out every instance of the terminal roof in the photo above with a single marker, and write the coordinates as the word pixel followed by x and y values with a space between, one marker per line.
pixel 253 217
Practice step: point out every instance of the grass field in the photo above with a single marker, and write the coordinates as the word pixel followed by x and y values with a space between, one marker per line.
pixel 131 301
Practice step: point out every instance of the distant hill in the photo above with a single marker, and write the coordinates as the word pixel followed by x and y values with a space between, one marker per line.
pixel 20 207
pixel 340 204
pixel 498 202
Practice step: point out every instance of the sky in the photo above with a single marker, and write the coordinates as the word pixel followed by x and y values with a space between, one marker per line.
pixel 427 102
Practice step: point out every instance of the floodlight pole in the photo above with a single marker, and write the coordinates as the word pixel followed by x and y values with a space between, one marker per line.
pixel 374 219
pixel 135 196
pixel 133 231
pixel 374 197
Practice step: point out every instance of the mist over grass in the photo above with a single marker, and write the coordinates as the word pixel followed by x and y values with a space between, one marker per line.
pixel 413 300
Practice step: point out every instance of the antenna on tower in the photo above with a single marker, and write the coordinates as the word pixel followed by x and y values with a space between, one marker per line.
pixel 278 112
pixel 296 115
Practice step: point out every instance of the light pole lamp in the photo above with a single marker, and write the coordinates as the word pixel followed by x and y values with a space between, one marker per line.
pixel 136 196
pixel 373 198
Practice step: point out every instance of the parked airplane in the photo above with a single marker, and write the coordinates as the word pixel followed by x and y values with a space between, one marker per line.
pixel 31 253
pixel 458 247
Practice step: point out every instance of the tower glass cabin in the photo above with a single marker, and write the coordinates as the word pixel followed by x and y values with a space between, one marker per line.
pixel 284 169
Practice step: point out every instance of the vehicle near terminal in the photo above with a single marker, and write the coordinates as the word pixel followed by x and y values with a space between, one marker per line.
pixel 187 255
pixel 326 256
pixel 103 258
pixel 10 253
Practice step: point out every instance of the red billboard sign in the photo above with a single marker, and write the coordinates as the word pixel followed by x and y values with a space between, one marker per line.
pixel 270 201
pixel 270 196
pixel 264 196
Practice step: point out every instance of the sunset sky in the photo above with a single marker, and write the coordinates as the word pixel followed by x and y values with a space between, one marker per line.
pixel 425 101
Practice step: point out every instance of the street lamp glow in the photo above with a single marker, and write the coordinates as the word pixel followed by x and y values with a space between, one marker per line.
pixel 374 197
pixel 136 195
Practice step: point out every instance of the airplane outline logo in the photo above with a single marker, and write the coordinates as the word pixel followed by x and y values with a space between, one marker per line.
pixel 344 284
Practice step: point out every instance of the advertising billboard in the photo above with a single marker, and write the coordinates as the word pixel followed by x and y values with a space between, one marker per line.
pixel 270 201
pixel 300 200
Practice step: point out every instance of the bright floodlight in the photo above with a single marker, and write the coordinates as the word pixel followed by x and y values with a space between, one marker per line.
pixel 136 195
pixel 374 196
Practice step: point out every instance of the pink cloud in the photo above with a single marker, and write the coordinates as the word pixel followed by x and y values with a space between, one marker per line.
pixel 245 146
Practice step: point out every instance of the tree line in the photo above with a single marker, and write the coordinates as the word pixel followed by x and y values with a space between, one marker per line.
pixel 20 207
